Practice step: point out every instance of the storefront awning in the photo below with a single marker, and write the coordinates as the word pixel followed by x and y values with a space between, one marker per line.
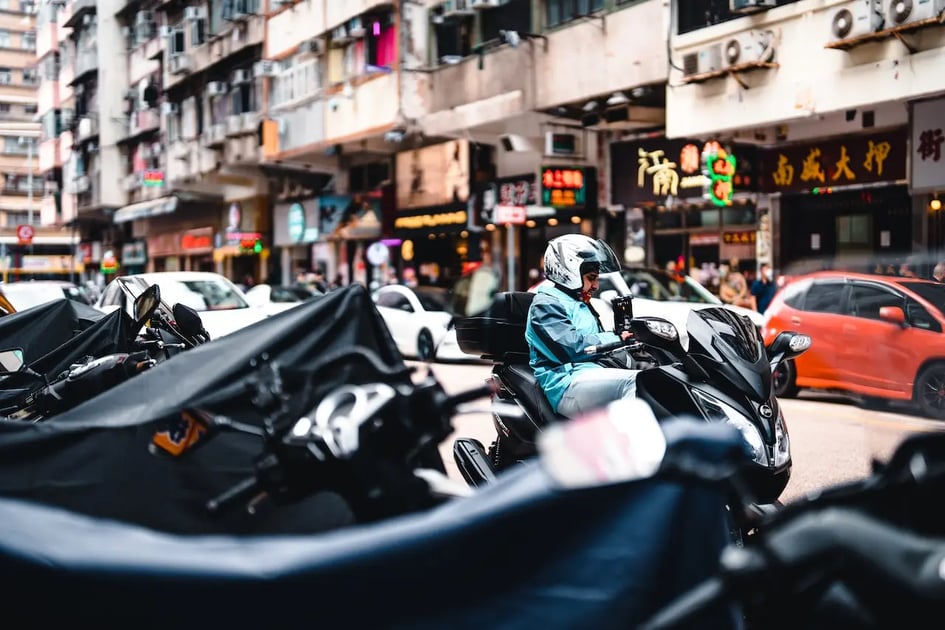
pixel 144 209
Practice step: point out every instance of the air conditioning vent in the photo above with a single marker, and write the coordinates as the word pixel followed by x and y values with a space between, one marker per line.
pixel 907 11
pixel 856 18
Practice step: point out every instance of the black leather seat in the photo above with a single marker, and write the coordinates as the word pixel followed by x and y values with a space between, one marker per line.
pixel 521 379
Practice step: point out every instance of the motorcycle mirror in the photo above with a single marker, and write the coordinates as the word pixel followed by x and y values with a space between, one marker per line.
pixel 145 305
pixel 11 360
pixel 788 345
pixel 604 446
pixel 188 320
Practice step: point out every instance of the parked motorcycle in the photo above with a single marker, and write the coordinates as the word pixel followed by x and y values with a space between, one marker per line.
pixel 32 396
pixel 576 538
pixel 725 376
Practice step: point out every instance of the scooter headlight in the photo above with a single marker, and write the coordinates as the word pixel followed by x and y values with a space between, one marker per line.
pixel 718 411
pixel 782 441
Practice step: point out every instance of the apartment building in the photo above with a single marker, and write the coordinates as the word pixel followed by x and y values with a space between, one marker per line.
pixel 842 102
pixel 446 119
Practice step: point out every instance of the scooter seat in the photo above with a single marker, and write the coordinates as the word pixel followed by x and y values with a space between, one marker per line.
pixel 521 379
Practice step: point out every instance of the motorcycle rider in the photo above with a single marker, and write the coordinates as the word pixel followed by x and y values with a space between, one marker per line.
pixel 562 322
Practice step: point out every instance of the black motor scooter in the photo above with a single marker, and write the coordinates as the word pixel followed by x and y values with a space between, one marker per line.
pixel 725 376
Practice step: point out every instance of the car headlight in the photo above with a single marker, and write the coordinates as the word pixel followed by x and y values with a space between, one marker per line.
pixel 719 411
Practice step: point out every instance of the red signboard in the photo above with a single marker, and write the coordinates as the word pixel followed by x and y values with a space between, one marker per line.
pixel 514 215
pixel 24 234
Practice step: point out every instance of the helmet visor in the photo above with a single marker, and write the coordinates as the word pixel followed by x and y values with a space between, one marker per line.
pixel 601 253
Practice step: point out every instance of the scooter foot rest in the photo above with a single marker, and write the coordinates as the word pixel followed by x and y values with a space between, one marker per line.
pixel 473 464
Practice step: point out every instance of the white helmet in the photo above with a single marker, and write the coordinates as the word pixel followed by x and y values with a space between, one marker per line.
pixel 566 255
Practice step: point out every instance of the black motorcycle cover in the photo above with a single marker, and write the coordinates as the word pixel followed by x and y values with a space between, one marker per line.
pixel 41 329
pixel 97 458
pixel 518 554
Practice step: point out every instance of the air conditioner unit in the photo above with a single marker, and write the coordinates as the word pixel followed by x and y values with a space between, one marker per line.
pixel 458 8
pixel 861 17
pixel 314 46
pixel 155 150
pixel 340 36
pixel 217 88
pixel 192 14
pixel 265 68
pixel 748 47
pixel 750 6
pixel 706 60
pixel 166 31
pixel 179 64
pixel 906 11
pixel 169 109
pixel 557 144
pixel 356 28
pixel 144 17
pixel 240 76
pixel 484 4
pixel 234 125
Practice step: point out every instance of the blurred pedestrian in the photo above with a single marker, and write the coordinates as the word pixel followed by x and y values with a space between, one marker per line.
pixel 764 287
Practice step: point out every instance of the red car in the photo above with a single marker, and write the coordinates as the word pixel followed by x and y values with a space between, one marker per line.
pixel 876 336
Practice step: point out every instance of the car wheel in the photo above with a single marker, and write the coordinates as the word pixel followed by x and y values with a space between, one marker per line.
pixel 930 391
pixel 784 380
pixel 425 347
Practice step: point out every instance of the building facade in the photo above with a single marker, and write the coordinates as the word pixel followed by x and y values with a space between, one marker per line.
pixel 829 92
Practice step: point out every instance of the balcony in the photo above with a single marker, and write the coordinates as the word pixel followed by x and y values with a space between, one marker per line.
pixel 80 8
pixel 139 123
pixel 216 50
pixel 189 162
pixel 49 155
pixel 142 60
pixel 241 151
pixel 86 63
pixel 132 182
pixel 373 104
pixel 87 129
pixel 301 126
pixel 241 124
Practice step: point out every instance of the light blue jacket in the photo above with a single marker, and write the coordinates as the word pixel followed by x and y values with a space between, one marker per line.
pixel 559 328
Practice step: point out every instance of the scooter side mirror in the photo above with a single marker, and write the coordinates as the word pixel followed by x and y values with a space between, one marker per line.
pixel 145 305
pixel 188 321
pixel 11 360
pixel 787 345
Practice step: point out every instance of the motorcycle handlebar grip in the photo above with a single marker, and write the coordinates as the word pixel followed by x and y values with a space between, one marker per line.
pixel 243 490
pixel 604 347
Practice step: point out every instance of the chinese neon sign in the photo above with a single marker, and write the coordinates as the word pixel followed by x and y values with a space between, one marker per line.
pixel 719 168
pixel 563 187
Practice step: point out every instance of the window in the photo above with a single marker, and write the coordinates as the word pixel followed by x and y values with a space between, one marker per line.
pixel 4 39
pixel 29 76
pixel 381 41
pixel 454 37
pixel 794 293
pixel 176 44
pixel 917 316
pixel 6 76
pixel 866 300
pixel 824 297
pixel 691 16
pixel 11 144
pixel 394 300
pixel 299 80
pixel 28 40
pixel 561 11
pixel 198 32
pixel 30 108
pixel 242 98
pixel 516 15
pixel 5 108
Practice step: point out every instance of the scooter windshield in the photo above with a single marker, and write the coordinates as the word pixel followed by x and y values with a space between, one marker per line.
pixel 729 345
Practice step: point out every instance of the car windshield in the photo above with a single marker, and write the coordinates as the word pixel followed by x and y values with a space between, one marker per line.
pixel 202 294
pixel 663 287
pixel 931 292
pixel 433 300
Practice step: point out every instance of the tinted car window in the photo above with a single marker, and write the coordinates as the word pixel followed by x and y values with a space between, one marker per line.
pixel 866 300
pixel 794 293
pixel 393 300
pixel 917 316
pixel 433 301
pixel 932 292
pixel 824 297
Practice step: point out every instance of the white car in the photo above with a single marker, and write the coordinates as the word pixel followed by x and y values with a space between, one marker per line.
pixel 658 294
pixel 29 293
pixel 419 321
pixel 220 304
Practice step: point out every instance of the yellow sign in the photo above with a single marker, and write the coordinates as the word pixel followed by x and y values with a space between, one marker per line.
pixel 406 250
pixel 430 220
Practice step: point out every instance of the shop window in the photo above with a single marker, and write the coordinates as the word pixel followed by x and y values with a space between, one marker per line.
pixel 739 215
pixel 854 230
pixel 703 217
pixel 561 11
pixel 667 219
pixel 454 37
pixel 691 16
pixel 515 15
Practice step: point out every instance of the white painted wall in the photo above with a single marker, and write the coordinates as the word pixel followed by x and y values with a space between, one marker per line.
pixel 811 79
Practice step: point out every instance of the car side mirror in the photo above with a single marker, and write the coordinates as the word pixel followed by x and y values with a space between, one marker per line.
pixel 11 360
pixel 787 345
pixel 893 315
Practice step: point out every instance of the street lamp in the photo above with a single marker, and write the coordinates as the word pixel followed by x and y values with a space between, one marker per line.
pixel 29 179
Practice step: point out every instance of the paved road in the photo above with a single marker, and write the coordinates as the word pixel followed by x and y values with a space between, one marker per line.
pixel 832 440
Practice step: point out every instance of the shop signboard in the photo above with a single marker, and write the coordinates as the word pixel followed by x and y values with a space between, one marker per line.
pixel 568 187
pixel 435 175
pixel 817 166
pixel 927 153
